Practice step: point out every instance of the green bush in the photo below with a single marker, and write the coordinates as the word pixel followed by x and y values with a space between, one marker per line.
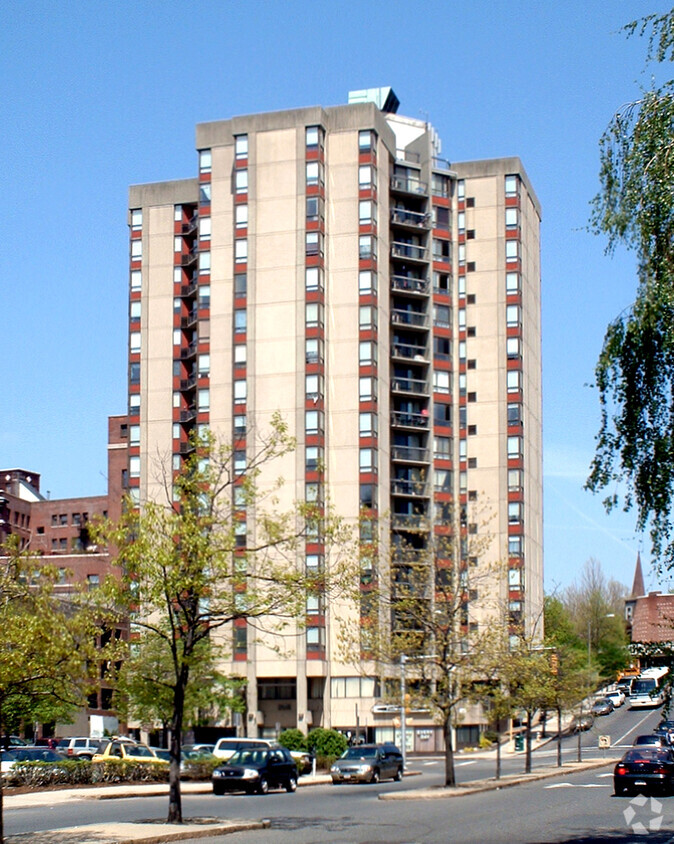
pixel 71 772
pixel 293 740
pixel 199 768
pixel 326 742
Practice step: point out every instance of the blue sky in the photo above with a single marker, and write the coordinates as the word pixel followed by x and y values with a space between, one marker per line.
pixel 99 96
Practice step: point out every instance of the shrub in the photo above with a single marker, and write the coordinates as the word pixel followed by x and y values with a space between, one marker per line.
pixel 71 772
pixel 326 742
pixel 199 768
pixel 293 740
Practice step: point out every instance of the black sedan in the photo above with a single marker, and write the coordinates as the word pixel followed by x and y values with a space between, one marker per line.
pixel 645 769
pixel 256 770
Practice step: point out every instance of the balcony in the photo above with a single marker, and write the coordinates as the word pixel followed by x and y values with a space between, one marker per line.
pixel 191 225
pixel 409 454
pixel 409 351
pixel 190 320
pixel 188 383
pixel 405 284
pixel 186 448
pixel 405 419
pixel 189 351
pixel 410 319
pixel 416 386
pixel 409 251
pixel 189 258
pixel 410 219
pixel 409 522
pixel 188 415
pixel 188 290
pixel 408 184
pixel 409 488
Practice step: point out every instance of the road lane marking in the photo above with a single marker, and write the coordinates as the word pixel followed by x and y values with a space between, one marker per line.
pixel 469 762
pixel 578 785
pixel 638 724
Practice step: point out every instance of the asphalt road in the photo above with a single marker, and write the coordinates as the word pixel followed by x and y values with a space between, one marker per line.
pixel 575 808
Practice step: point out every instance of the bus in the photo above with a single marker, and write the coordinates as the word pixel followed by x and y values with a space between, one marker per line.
pixel 648 688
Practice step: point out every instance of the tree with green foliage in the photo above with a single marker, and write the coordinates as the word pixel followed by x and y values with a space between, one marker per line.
pixel 188 579
pixel 48 655
pixel 326 743
pixel 635 371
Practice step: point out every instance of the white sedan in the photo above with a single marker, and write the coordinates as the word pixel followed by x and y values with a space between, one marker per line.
pixel 616 697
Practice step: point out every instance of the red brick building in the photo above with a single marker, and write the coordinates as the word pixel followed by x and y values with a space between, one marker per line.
pixel 59 529
pixel 649 617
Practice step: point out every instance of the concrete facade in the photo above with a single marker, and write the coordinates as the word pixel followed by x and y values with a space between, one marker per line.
pixel 328 265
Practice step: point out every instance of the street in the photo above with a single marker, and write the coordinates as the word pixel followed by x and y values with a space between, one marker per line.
pixel 576 807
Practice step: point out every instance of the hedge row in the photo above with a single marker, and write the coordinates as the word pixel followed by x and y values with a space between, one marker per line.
pixel 71 772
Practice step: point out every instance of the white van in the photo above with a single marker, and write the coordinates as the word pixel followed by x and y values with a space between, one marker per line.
pixel 225 747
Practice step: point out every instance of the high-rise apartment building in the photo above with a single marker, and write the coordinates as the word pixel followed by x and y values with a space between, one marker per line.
pixel 328 264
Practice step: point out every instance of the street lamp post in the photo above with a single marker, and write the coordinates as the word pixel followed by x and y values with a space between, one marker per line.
pixel 403 719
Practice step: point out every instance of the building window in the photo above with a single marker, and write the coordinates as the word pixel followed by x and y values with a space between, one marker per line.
pixel 366 248
pixel 136 280
pixel 515 546
pixel 442 414
pixel 313 458
pixel 514 448
pixel 442 480
pixel 240 354
pixel 136 250
pixel 514 512
pixel 134 466
pixel 512 315
pixel 204 263
pixel 241 216
pixel 313 243
pixel 134 436
pixel 365 176
pixel 441 316
pixel 367 389
pixel 367 459
pixel 239 425
pixel 204 400
pixel 366 140
pixel 442 448
pixel 240 320
pixel 462 254
pixel 134 373
pixel 441 381
pixel 511 185
pixel 512 283
pixel 365 212
pixel 241 251
pixel 513 347
pixel 440 249
pixel 240 391
pixel 313 422
pixel 313 315
pixel 512 218
pixel 204 365
pixel 136 219
pixel 512 250
pixel 514 413
pixel 312 278
pixel 205 193
pixel 513 380
pixel 461 189
pixel 312 137
pixel 367 317
pixel 312 352
pixel 313 387
pixel 204 228
pixel 515 483
pixel 241 181
pixel 134 342
pixel 240 284
pixel 367 424
pixel 313 173
pixel 134 311
pixel 205 161
pixel 367 282
pixel 440 217
pixel 312 212
pixel 367 353
pixel 240 146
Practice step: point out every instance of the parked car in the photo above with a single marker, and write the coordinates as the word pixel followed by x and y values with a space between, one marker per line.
pixel 616 697
pixel 81 747
pixel 650 740
pixel 197 748
pixel 644 769
pixel 666 729
pixel 368 763
pixel 161 753
pixel 226 747
pixel 580 723
pixel 602 706
pixel 132 751
pixel 256 770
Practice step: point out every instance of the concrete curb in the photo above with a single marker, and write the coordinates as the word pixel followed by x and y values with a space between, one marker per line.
pixel 477 786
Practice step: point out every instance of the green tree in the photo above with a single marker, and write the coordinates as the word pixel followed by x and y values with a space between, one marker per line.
pixel 635 371
pixel 186 574
pixel 48 655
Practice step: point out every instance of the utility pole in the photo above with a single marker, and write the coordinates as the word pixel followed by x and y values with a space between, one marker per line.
pixel 403 719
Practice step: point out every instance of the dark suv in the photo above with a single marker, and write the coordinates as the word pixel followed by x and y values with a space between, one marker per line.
pixel 256 769
pixel 368 763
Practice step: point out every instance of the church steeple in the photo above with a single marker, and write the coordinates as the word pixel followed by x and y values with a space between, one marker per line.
pixel 638 587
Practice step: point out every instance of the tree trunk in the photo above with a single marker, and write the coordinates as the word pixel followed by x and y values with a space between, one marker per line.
pixel 175 809
pixel 559 736
pixel 2 820
pixel 527 755
pixel 498 757
pixel 450 776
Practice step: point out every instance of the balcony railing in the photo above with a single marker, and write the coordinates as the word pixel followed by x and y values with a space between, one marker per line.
pixel 406 184
pixel 188 383
pixel 441 164
pixel 409 285
pixel 188 415
pixel 410 454
pixel 405 419
pixel 186 448
pixel 409 385
pixel 403 217
pixel 190 225
pixel 409 251
pixel 409 521
pixel 190 320
pixel 188 352
pixel 404 486
pixel 417 319
pixel 188 258
pixel 189 289
pixel 409 351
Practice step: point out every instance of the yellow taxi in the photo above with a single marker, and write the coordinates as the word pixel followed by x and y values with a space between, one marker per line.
pixel 127 750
